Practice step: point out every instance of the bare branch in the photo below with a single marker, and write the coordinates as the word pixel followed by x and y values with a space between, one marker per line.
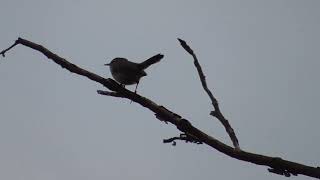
pixel 276 164
pixel 216 113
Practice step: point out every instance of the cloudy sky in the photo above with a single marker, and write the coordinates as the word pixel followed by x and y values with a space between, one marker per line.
pixel 261 60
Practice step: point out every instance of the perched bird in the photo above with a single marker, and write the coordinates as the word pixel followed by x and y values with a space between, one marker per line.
pixel 127 73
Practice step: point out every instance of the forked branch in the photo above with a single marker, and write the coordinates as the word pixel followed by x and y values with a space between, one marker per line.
pixel 192 134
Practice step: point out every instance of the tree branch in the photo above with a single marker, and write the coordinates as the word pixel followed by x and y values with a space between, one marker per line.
pixel 216 113
pixel 276 164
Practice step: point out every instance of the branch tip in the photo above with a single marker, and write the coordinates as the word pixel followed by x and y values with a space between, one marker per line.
pixel 5 50
pixel 186 46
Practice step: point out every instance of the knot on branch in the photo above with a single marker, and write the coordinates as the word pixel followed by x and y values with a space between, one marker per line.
pixel 214 113
pixel 184 125
pixel 282 172
pixel 165 119
pixel 277 169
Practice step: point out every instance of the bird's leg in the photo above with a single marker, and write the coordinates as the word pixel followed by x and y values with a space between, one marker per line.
pixel 135 91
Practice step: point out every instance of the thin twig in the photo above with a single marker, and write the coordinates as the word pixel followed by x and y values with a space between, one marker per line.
pixel 182 124
pixel 4 51
pixel 216 113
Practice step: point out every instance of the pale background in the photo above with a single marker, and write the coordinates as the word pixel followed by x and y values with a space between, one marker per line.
pixel 261 60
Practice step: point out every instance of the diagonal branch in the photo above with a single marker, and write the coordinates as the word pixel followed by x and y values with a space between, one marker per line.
pixel 216 113
pixel 277 165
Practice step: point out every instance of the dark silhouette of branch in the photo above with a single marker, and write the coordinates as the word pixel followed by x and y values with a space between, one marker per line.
pixel 216 112
pixel 4 51
pixel 276 164
pixel 183 137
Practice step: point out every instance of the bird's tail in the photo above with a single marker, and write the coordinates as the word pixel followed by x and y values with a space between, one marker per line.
pixel 150 61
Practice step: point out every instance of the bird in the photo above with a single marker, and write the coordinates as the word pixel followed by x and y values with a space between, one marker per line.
pixel 126 72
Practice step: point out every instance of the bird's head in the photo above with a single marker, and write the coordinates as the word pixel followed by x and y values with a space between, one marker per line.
pixel 118 59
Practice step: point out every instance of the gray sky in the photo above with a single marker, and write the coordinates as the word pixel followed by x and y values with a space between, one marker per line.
pixel 261 59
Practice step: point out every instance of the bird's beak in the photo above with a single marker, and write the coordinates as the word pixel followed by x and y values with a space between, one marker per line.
pixel 107 64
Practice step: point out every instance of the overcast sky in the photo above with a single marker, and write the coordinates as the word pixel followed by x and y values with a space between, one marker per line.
pixel 261 60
